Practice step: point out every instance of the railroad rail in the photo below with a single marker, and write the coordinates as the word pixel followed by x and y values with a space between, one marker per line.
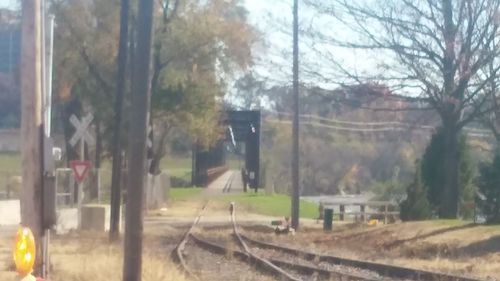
pixel 386 270
pixel 308 271
pixel 285 263
pixel 177 255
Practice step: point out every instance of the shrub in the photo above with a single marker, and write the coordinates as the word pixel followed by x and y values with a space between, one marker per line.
pixel 416 206
pixel 489 186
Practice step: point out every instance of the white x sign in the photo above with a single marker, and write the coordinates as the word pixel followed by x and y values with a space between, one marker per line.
pixel 81 130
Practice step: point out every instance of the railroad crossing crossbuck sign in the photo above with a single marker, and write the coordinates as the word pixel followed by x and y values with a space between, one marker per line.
pixel 81 132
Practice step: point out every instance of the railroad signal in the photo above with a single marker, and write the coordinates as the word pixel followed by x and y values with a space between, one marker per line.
pixel 24 251
pixel 81 132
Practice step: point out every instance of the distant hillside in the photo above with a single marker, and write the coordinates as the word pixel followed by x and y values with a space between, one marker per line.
pixel 351 139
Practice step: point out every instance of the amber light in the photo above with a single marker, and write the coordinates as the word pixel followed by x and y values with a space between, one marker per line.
pixel 24 251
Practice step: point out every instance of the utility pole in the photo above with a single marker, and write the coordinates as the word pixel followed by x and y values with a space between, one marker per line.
pixel 295 145
pixel 31 123
pixel 116 177
pixel 141 90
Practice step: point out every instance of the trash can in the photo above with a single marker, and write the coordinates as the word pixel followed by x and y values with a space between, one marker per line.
pixel 328 219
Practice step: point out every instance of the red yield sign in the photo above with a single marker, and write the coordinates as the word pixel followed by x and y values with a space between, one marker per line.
pixel 80 169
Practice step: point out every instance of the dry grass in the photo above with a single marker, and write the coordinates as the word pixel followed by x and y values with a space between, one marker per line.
pixel 483 267
pixel 89 257
pixel 448 246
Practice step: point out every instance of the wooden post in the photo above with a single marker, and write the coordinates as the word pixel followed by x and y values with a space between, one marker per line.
pixel 31 124
pixel 295 131
pixel 362 209
pixel 116 176
pixel 141 90
pixel 385 214
pixel 342 212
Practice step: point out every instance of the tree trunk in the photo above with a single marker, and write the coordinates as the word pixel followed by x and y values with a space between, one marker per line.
pixel 450 195
pixel 98 144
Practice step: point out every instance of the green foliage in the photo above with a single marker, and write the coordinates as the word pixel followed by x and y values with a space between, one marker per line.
pixel 182 194
pixel 489 185
pixel 433 172
pixel 277 205
pixel 389 191
pixel 10 162
pixel 416 206
pixel 197 46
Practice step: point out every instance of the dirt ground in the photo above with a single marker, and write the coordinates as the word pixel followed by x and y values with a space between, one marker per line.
pixel 447 246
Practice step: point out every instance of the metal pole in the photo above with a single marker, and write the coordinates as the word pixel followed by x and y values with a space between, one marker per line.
pixel 140 101
pixel 47 71
pixel 116 176
pixel 44 65
pixel 295 145
pixel 50 54
pixel 80 185
pixel 44 107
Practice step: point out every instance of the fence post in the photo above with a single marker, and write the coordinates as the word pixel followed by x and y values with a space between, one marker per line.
pixel 7 185
pixel 385 214
pixel 72 190
pixel 362 209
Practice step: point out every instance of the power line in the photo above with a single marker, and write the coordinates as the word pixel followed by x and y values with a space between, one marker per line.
pixel 373 130
pixel 386 125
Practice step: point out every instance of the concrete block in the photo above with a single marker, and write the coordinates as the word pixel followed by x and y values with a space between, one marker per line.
pixel 93 218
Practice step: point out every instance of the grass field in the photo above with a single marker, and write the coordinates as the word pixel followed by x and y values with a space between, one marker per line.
pixel 10 162
pixel 272 205
pixel 180 194
pixel 88 256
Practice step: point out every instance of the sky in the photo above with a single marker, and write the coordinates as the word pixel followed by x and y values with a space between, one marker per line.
pixel 8 3
pixel 274 21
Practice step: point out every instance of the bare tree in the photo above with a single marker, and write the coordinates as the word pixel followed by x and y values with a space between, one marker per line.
pixel 440 49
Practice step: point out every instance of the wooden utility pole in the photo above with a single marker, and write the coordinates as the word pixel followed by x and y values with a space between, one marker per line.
pixel 295 145
pixel 31 123
pixel 117 138
pixel 141 90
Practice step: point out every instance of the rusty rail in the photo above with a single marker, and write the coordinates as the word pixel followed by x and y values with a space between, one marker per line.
pixel 382 269
pixel 177 252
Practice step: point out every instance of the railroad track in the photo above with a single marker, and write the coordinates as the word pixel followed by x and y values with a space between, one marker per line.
pixel 383 270
pixel 281 262
pixel 177 253
pixel 229 183
pixel 195 255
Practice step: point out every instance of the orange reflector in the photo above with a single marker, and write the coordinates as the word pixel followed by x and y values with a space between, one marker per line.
pixel 24 251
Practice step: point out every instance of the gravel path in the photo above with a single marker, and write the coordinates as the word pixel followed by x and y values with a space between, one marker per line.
pixel 215 267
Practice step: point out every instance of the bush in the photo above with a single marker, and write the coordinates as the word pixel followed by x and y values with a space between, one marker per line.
pixel 179 182
pixel 416 206
pixel 489 186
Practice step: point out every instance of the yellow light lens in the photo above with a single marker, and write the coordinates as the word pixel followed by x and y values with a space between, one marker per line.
pixel 24 251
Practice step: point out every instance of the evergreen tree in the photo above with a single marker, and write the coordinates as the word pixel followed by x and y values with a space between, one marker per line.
pixel 416 206
pixel 433 172
pixel 489 186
